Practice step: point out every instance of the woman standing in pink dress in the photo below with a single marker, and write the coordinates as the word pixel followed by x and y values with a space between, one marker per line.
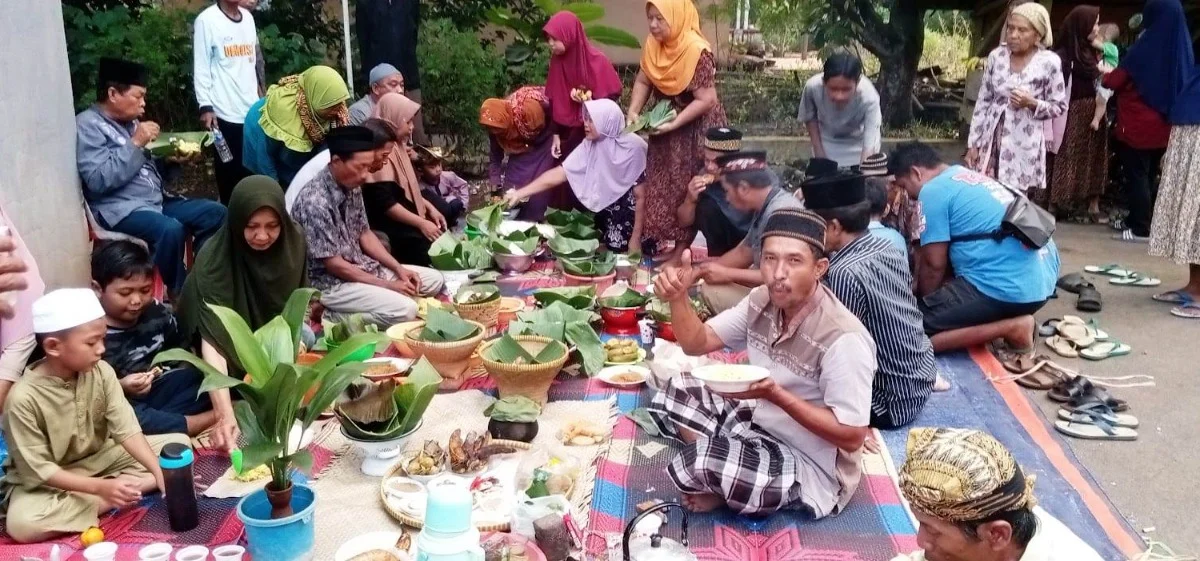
pixel 677 65
pixel 1022 88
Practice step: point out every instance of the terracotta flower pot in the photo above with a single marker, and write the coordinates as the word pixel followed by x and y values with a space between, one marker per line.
pixel 281 501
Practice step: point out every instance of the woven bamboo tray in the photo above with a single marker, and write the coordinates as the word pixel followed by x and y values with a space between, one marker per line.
pixel 398 471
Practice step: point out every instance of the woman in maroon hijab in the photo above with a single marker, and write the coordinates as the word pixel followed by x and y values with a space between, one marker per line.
pixel 576 67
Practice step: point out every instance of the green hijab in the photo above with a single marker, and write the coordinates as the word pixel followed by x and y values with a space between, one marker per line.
pixel 291 112
pixel 228 272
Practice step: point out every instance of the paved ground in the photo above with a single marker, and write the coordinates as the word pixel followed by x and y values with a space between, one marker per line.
pixel 1149 480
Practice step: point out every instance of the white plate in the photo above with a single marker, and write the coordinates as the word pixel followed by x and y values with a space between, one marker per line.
pixel 401 364
pixel 641 357
pixel 608 372
pixel 751 374
pixel 374 540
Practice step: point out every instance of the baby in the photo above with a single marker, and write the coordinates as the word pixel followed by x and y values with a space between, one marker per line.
pixel 1109 59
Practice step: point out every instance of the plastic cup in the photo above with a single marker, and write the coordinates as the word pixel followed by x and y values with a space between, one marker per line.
pixel 155 552
pixel 103 551
pixel 229 553
pixel 192 553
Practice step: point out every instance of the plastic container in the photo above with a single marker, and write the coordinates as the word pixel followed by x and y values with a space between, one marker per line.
pixel 155 552
pixel 222 146
pixel 229 553
pixel 192 553
pixel 283 539
pixel 103 551
pixel 176 461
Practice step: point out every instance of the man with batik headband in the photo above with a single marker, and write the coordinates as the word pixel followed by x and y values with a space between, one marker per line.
pixel 793 440
pixel 750 187
pixel 122 182
pixel 870 276
pixel 705 209
pixel 974 503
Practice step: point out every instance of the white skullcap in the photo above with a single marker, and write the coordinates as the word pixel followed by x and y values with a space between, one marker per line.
pixel 65 308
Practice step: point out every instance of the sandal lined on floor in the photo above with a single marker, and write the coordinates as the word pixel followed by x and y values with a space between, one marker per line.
pixel 1063 346
pixel 1137 279
pixel 1082 414
pixel 1105 349
pixel 1089 300
pixel 1111 270
pixel 1190 310
pixel 1072 282
pixel 1095 429
pixel 1080 391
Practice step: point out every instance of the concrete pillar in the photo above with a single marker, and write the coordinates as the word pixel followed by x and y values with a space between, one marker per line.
pixel 39 185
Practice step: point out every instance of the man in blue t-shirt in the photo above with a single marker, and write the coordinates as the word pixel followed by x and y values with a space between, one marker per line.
pixel 971 292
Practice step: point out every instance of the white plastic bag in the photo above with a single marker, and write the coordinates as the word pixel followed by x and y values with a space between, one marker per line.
pixel 670 360
pixel 529 510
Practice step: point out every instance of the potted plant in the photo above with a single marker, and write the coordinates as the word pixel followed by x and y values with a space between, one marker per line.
pixel 513 418
pixel 448 341
pixel 524 365
pixel 569 326
pixel 478 302
pixel 278 518
pixel 620 310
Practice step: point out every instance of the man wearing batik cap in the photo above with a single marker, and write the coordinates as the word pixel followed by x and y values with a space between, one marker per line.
pixel 76 448
pixel 383 79
pixel 974 503
pixel 750 187
pixel 346 260
pixel 791 441
pixel 705 209
pixel 870 276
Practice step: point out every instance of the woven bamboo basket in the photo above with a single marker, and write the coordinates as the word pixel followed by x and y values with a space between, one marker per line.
pixel 529 380
pixel 484 313
pixel 451 360
pixel 398 471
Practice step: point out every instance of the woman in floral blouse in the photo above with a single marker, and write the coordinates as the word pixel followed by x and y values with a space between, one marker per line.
pixel 1022 88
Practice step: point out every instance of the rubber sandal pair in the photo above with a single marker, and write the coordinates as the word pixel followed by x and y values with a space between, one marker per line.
pixel 1035 372
pixel 1122 276
pixel 1177 297
pixel 1079 391
pixel 1190 310
pixel 1105 349
pixel 1137 279
pixel 1095 422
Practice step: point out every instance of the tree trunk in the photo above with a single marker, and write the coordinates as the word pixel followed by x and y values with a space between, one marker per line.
pixel 898 68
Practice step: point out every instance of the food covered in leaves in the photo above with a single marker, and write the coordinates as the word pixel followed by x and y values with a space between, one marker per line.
pixel 595 266
pixel 566 248
pixel 578 297
pixel 622 296
pixel 514 409
pixel 429 460
pixel 379 412
pixel 561 322
pixel 477 294
pixel 621 350
pixel 507 350
pixel 449 253
pixel 661 114
pixel 583 433
pixel 337 333
pixel 444 327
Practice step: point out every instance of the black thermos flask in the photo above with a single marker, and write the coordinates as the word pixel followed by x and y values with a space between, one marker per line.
pixel 176 461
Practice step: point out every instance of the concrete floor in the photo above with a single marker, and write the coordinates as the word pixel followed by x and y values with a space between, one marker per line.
pixel 1148 480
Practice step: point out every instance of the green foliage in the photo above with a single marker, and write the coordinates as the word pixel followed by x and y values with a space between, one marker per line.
pixel 577 297
pixel 273 398
pixel 404 405
pixel 444 327
pixel 449 253
pixel 524 27
pixel 477 294
pixel 629 298
pixel 507 350
pixel 288 53
pixel 570 248
pixel 592 266
pixel 561 322
pixel 514 409
pixel 458 72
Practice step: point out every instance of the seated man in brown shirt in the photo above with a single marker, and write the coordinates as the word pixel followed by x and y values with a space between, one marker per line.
pixel 791 441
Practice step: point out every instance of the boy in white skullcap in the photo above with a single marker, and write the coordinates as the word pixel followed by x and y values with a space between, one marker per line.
pixel 76 448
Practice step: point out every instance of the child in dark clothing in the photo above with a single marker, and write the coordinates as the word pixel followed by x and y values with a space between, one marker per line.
pixel 138 329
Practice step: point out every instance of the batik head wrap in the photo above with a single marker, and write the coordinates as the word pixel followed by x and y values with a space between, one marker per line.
pixel 517 120
pixel 960 475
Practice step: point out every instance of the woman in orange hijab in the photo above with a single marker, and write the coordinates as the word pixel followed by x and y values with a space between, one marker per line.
pixel 521 146
pixel 677 65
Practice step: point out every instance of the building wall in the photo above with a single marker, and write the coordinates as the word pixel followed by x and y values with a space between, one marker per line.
pixel 39 186
pixel 630 15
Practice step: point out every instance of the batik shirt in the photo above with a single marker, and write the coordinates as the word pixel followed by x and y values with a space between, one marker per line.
pixel 131 350
pixel 333 219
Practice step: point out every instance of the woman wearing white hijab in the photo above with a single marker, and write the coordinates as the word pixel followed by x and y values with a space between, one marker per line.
pixel 605 172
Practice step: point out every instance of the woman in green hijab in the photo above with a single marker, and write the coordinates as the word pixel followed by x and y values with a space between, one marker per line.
pixel 284 129
pixel 251 266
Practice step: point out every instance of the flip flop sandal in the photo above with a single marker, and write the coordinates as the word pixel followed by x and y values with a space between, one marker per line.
pixel 1071 282
pixel 1083 415
pixel 1064 347
pixel 1105 349
pixel 1049 327
pixel 1135 280
pixel 1091 393
pixel 1089 300
pixel 1177 297
pixel 1111 270
pixel 1079 334
pixel 1027 372
pixel 1097 333
pixel 1071 388
pixel 1190 310
pixel 1098 429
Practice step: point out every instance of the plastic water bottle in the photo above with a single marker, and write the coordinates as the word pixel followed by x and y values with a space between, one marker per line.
pixel 222 147
pixel 176 461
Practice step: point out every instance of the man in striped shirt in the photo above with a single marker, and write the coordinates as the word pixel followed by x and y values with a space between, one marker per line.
pixel 870 276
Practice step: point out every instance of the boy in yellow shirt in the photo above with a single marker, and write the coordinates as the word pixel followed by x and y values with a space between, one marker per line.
pixel 76 448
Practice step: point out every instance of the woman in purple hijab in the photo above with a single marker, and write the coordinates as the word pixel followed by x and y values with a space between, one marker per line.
pixel 606 173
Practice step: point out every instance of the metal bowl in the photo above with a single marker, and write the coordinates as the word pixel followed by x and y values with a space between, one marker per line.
pixel 513 264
